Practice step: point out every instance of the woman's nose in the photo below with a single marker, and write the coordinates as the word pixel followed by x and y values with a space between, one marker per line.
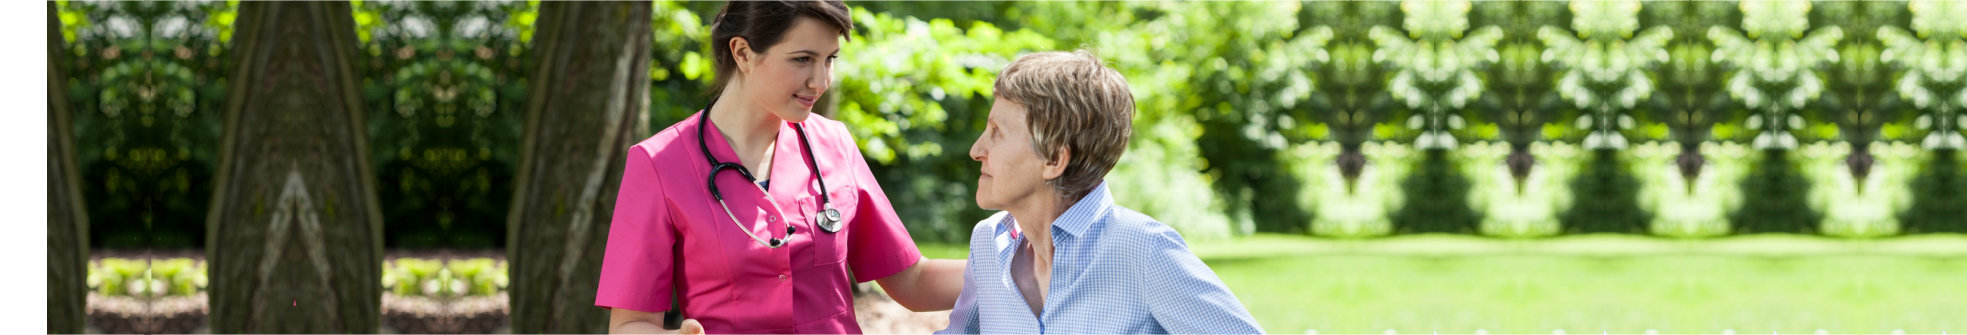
pixel 976 150
pixel 821 78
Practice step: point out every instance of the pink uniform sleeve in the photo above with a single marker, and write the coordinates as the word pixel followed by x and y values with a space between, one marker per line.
pixel 880 246
pixel 635 272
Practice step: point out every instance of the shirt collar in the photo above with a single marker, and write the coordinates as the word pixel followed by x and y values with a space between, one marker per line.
pixel 1075 220
pixel 1081 216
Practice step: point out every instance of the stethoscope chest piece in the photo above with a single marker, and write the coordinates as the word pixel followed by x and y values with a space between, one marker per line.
pixel 828 220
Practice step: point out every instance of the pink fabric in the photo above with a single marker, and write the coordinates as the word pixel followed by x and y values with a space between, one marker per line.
pixel 669 233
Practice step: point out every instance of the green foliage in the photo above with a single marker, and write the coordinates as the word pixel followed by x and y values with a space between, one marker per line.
pixel 1246 85
pixel 1345 119
pixel 147 278
pixel 1530 208
pixel 1437 197
pixel 146 83
pixel 1687 96
pixel 444 88
pixel 445 278
pixel 1158 177
pixel 1355 208
pixel 1436 74
pixel 680 68
pixel 1685 205
pixel 1605 66
pixel 1939 195
pixel 1436 66
pixel 1605 197
pixel 1521 95
pixel 1775 198
pixel 1775 66
pixel 1935 65
pixel 1860 96
pixel 1350 84
pixel 1860 207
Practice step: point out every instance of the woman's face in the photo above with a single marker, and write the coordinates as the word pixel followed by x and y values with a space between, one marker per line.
pixel 1013 175
pixel 787 79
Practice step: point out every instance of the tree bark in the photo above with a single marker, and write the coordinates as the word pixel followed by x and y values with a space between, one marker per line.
pixel 68 220
pixel 584 112
pixel 294 232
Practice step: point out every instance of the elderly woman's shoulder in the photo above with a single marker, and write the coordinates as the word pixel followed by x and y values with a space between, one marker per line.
pixel 1128 224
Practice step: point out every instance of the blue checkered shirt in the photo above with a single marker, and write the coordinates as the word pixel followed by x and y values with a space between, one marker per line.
pixel 1114 271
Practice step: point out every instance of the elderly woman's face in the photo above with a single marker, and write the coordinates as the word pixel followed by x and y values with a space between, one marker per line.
pixel 1013 175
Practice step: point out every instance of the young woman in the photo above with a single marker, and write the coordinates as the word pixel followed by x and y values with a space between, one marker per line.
pixel 754 215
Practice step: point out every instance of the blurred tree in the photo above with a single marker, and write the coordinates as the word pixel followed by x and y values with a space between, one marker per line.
pixel 446 83
pixel 68 216
pixel 1935 65
pixel 577 133
pixel 1436 70
pixel 147 81
pixel 1689 99
pixel 1935 80
pixel 1249 89
pixel 1605 75
pixel 1605 66
pixel 1773 66
pixel 1773 74
pixel 1436 75
pixel 1939 196
pixel 1860 94
pixel 1351 86
pixel 1006 15
pixel 680 67
pixel 294 215
pixel 1521 97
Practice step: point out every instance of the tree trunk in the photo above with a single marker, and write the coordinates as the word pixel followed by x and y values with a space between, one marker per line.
pixel 294 232
pixel 584 112
pixel 68 221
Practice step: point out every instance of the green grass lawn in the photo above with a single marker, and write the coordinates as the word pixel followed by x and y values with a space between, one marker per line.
pixel 1591 284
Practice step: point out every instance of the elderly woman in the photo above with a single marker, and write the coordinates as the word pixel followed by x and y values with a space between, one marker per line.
pixel 1061 257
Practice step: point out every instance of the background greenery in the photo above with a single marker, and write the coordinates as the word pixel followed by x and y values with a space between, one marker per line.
pixel 1351 119
pixel 1354 167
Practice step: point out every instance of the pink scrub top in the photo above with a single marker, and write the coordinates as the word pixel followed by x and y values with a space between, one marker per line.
pixel 669 234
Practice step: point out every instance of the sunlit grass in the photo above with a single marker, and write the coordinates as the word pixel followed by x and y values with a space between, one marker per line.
pixel 1758 284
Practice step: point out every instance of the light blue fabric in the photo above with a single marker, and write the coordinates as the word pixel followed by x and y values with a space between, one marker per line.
pixel 1114 271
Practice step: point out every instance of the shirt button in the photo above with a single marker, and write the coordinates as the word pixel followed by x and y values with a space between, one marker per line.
pixel 782 278
pixel 772 219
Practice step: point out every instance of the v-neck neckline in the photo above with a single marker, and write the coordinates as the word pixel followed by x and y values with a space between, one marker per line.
pixel 1024 274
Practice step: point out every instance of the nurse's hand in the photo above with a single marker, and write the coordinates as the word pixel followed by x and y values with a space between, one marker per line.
pixel 691 327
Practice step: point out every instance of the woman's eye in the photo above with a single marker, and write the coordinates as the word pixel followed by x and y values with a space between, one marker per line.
pixel 802 59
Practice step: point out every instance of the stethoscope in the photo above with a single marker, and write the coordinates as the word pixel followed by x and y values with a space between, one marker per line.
pixel 827 218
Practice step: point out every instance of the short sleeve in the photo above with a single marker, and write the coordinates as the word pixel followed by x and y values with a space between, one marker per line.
pixel 880 245
pixel 636 269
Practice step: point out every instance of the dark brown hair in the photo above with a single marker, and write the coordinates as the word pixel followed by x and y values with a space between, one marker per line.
pixel 763 24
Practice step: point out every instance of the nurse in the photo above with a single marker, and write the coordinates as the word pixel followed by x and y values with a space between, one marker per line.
pixel 754 215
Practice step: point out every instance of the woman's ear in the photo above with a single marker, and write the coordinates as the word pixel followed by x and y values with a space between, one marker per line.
pixel 741 54
pixel 1056 168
